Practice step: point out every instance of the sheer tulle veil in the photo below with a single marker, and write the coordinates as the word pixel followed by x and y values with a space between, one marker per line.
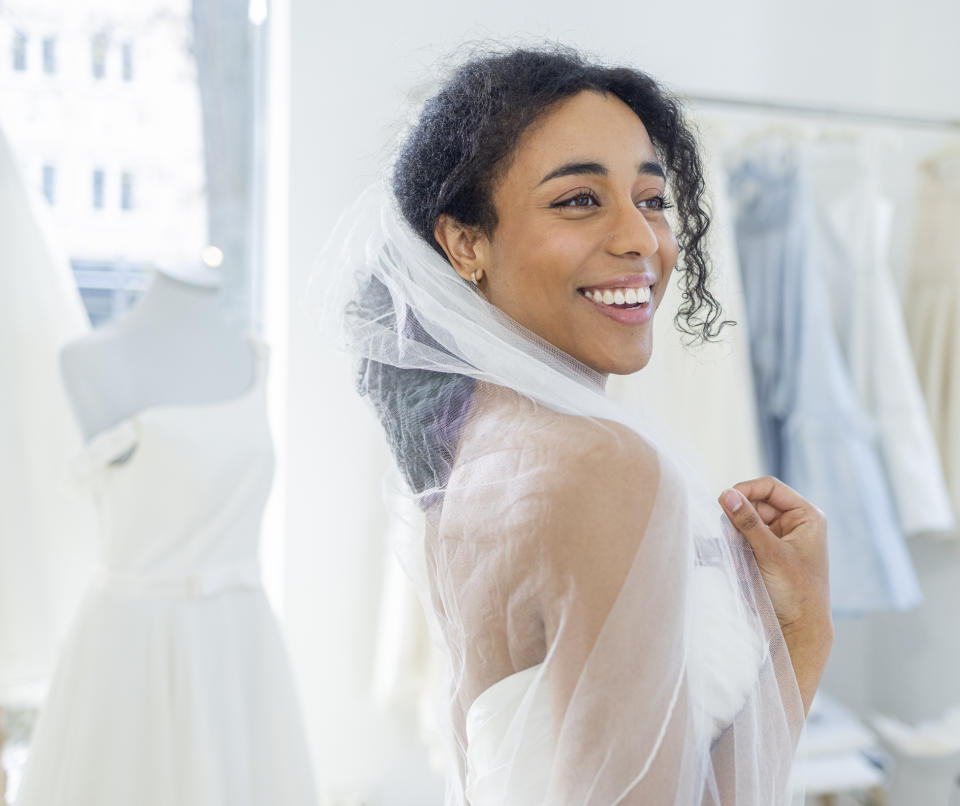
pixel 681 690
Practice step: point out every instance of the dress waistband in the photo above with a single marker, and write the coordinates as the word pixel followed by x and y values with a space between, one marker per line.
pixel 199 583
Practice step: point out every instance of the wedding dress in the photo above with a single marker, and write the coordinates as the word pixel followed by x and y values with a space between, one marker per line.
pixel 174 684
pixel 726 658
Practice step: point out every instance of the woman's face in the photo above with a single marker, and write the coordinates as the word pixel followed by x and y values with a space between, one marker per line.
pixel 580 223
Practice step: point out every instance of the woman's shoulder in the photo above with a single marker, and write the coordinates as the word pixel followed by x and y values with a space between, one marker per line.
pixel 524 431
pixel 532 461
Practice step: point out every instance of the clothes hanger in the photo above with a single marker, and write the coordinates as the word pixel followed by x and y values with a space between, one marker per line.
pixel 778 136
pixel 791 130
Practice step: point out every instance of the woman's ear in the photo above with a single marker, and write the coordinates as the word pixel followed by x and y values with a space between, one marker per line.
pixel 464 246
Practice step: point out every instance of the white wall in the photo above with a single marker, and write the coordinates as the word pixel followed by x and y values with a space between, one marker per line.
pixel 351 65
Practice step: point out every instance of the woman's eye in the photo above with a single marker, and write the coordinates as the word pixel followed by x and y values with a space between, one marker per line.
pixel 578 197
pixel 661 203
pixel 584 200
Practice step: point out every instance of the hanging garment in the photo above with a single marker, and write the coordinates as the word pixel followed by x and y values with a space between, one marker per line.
pixel 931 305
pixel 817 437
pixel 174 684
pixel 47 533
pixel 677 688
pixel 703 397
pixel 854 220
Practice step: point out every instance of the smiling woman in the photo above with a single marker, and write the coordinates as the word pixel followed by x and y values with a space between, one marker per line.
pixel 596 223
pixel 609 634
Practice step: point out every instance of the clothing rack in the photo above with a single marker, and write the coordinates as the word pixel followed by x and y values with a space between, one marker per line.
pixel 864 116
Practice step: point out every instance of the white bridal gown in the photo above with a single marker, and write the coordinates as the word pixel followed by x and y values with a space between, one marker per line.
pixel 510 724
pixel 174 685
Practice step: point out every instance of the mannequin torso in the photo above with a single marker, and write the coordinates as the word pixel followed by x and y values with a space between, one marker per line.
pixel 174 347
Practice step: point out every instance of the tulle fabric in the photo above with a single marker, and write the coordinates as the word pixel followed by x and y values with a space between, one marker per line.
pixel 674 685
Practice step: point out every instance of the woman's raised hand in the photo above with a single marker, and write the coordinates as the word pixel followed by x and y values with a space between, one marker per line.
pixel 788 536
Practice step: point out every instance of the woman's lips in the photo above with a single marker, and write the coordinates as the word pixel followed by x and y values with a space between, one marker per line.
pixel 635 315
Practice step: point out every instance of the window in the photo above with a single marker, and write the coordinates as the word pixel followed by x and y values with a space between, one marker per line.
pixel 128 61
pixel 126 190
pixel 98 55
pixel 201 66
pixel 50 183
pixel 98 179
pixel 20 51
pixel 49 55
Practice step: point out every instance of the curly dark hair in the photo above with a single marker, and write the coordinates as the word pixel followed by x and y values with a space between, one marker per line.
pixel 450 162
pixel 467 133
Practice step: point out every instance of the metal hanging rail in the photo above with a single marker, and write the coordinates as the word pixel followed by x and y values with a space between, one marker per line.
pixel 864 116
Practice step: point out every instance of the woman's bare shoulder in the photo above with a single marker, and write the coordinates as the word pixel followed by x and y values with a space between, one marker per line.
pixel 542 505
pixel 548 468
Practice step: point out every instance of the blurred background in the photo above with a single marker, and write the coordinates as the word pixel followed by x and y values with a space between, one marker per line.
pixel 198 139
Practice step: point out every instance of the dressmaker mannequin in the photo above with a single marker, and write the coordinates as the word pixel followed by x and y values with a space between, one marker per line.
pixel 174 347
pixel 173 684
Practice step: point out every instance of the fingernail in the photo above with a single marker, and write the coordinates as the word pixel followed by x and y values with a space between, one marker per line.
pixel 732 500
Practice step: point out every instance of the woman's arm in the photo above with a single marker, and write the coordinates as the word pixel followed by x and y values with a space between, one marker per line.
pixel 617 558
pixel 617 555
pixel 788 535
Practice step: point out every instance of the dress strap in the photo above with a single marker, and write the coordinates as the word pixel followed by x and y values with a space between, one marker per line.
pixel 104 448
pixel 114 441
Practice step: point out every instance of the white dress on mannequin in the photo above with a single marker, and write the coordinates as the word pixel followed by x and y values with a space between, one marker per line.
pixel 174 685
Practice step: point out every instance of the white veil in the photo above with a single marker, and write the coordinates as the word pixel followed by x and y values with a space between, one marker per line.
pixel 670 682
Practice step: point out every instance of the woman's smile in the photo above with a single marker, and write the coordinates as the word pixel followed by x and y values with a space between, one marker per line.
pixel 626 305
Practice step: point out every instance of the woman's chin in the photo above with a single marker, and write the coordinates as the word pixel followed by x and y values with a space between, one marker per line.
pixel 630 368
pixel 622 365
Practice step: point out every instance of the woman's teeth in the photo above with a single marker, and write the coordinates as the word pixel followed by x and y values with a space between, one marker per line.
pixel 618 296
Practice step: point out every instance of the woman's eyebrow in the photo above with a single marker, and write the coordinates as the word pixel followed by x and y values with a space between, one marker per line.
pixel 599 169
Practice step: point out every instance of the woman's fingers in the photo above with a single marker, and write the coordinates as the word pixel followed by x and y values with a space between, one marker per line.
pixel 766 511
pixel 765 544
pixel 772 491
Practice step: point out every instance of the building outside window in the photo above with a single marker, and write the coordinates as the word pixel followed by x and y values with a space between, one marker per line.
pixel 50 183
pixel 98 55
pixel 126 191
pixel 98 181
pixel 49 55
pixel 19 51
pixel 128 61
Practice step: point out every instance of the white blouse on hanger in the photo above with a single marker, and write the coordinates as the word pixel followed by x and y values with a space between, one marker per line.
pixel 931 305
pixel 855 218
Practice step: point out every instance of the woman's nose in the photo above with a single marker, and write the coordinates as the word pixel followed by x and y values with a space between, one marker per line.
pixel 632 232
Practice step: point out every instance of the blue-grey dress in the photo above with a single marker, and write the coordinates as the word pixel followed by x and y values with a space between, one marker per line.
pixel 816 436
